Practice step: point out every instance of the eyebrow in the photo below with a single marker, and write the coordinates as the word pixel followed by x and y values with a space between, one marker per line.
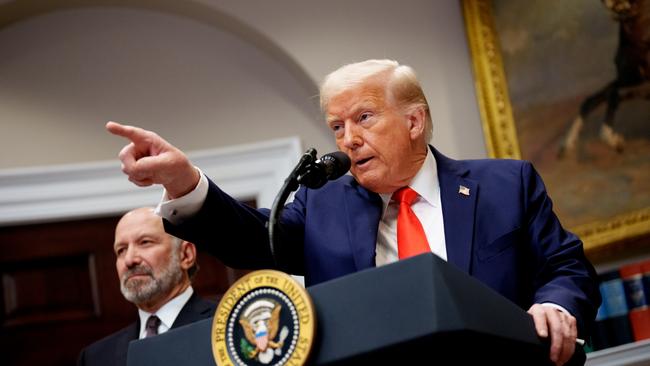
pixel 139 238
pixel 331 119
pixel 367 103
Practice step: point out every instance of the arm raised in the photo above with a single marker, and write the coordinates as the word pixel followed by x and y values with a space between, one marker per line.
pixel 149 159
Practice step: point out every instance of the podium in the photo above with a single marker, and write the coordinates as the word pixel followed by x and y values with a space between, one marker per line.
pixel 421 309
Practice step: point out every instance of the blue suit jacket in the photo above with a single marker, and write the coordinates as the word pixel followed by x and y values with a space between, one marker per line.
pixel 504 233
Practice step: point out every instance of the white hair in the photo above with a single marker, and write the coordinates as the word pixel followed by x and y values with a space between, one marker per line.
pixel 402 85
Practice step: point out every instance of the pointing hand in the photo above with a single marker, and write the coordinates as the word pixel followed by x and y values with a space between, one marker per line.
pixel 149 159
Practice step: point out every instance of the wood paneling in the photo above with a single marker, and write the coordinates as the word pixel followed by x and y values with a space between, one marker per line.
pixel 55 288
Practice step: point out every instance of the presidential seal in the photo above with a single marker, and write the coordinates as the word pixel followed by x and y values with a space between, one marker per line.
pixel 265 318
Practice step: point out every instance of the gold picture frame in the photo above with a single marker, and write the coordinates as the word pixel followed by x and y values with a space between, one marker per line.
pixel 500 128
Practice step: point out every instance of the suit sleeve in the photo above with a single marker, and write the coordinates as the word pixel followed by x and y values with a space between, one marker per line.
pixel 563 275
pixel 237 234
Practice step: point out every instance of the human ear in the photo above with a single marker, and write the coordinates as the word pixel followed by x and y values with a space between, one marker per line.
pixel 416 118
pixel 188 255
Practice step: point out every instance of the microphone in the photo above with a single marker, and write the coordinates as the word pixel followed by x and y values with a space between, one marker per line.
pixel 329 167
pixel 311 172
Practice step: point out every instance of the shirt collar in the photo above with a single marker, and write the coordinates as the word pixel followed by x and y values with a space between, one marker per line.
pixel 425 183
pixel 168 312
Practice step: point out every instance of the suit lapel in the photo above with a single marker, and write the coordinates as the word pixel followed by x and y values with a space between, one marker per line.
pixel 458 195
pixel 363 208
pixel 122 344
pixel 195 309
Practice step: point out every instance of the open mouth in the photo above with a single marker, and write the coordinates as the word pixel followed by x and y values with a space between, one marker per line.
pixel 361 162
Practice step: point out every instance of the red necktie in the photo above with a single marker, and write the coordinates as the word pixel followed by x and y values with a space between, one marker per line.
pixel 411 239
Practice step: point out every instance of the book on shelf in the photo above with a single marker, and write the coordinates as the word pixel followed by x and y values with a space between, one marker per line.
pixel 635 278
pixel 612 326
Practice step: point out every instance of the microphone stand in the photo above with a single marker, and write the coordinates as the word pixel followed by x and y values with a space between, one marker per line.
pixel 290 184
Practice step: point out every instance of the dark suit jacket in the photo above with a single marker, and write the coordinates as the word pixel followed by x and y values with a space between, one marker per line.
pixel 504 233
pixel 112 349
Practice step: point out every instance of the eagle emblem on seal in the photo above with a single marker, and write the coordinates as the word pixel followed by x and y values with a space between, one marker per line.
pixel 261 322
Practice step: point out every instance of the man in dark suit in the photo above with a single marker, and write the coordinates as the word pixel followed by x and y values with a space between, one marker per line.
pixel 155 272
pixel 491 218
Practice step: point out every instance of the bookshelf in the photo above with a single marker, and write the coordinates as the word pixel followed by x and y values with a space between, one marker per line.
pixel 613 258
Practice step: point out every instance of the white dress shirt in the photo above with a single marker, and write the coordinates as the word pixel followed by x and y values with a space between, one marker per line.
pixel 427 207
pixel 178 209
pixel 167 313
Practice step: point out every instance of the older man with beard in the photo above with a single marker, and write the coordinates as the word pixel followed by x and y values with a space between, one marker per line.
pixel 155 271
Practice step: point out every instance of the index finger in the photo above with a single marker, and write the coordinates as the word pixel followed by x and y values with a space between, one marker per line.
pixel 135 134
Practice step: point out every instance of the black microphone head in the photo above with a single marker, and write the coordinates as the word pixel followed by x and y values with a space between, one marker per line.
pixel 336 164
pixel 328 167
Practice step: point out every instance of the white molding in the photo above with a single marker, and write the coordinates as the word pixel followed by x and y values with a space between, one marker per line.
pixel 51 193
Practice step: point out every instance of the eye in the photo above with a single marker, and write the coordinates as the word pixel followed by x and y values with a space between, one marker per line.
pixel 146 241
pixel 337 128
pixel 335 124
pixel 364 116
pixel 119 251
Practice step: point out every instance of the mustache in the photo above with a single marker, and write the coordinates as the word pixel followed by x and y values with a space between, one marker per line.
pixel 138 270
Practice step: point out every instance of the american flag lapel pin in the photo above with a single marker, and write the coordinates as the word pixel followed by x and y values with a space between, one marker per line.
pixel 463 190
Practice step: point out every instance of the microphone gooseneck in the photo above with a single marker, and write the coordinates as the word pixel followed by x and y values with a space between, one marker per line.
pixel 290 184
pixel 310 172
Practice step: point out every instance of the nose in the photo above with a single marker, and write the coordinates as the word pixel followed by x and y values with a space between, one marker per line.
pixel 131 257
pixel 352 136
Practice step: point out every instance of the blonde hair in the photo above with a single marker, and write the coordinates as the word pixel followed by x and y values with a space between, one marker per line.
pixel 402 85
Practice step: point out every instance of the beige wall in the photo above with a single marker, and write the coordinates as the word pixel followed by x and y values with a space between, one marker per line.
pixel 214 73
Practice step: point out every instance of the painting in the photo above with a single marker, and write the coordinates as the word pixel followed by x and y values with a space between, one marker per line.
pixel 566 85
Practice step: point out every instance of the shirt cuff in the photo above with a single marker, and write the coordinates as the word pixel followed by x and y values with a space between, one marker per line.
pixel 556 306
pixel 182 208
